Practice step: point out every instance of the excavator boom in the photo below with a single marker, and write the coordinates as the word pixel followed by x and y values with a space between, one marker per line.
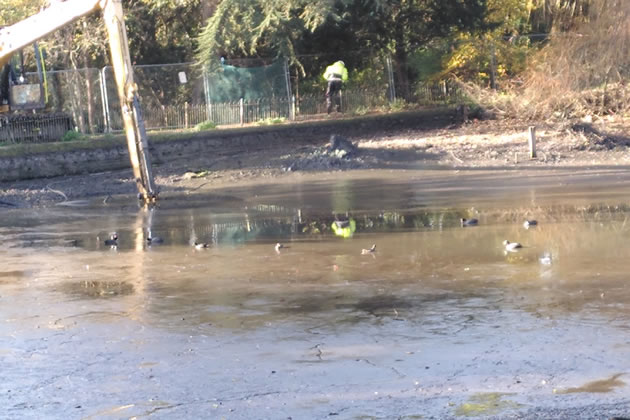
pixel 14 38
pixel 63 12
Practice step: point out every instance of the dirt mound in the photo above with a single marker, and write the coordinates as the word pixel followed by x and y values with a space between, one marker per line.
pixel 339 153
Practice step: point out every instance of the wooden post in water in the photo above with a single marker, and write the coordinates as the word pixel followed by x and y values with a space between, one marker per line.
pixel 532 141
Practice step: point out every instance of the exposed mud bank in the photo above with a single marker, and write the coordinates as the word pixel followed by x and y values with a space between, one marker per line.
pixel 48 161
pixel 415 141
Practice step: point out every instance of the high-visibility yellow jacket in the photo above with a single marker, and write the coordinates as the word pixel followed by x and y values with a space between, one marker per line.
pixel 336 71
pixel 345 230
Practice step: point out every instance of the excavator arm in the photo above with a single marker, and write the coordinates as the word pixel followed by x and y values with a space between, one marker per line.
pixel 61 13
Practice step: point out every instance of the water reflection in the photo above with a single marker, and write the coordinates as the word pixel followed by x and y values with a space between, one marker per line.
pixel 432 295
pixel 574 259
pixel 266 222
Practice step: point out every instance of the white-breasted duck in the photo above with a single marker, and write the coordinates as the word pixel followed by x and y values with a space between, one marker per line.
pixel 469 222
pixel 545 259
pixel 369 251
pixel 280 246
pixel 200 245
pixel 530 223
pixel 511 246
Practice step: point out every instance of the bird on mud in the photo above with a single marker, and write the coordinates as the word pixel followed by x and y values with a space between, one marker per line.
pixel 200 245
pixel 369 251
pixel 511 246
pixel 529 223
pixel 469 222
pixel 113 240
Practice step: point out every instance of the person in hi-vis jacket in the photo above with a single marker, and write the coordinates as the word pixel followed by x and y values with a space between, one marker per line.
pixel 335 75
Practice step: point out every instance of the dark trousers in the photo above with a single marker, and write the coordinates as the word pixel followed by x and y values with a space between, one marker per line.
pixel 333 95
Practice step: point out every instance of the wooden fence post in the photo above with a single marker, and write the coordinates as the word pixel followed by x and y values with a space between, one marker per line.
pixel 185 114
pixel 532 141
pixel 240 103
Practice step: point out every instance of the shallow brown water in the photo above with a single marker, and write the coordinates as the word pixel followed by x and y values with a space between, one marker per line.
pixel 437 315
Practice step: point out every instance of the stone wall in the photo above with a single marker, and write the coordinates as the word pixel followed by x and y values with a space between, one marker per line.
pixel 114 157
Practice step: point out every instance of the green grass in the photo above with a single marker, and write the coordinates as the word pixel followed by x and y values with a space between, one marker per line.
pixel 206 125
pixel 271 121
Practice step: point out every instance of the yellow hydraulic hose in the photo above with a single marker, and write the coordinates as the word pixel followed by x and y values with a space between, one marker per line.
pixel 43 63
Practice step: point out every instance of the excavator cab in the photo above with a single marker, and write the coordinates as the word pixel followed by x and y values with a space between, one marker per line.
pixel 17 92
pixel 23 114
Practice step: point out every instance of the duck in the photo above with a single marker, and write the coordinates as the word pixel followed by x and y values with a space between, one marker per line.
pixel 469 222
pixel 545 259
pixel 529 223
pixel 113 240
pixel 71 242
pixel 154 240
pixel 280 246
pixel 369 251
pixel 200 245
pixel 511 246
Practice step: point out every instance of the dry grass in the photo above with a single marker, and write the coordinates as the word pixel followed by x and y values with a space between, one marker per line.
pixel 581 72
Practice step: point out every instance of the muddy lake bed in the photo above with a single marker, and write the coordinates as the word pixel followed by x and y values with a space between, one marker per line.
pixel 439 322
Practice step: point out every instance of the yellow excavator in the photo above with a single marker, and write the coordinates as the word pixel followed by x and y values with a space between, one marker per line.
pixel 24 112
pixel 63 12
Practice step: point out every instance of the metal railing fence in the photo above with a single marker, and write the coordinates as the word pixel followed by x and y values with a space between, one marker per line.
pixel 32 128
pixel 176 96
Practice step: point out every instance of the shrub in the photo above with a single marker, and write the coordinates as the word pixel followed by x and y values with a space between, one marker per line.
pixel 206 125
pixel 72 135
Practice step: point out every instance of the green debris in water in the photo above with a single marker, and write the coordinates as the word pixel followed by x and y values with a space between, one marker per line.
pixel 485 404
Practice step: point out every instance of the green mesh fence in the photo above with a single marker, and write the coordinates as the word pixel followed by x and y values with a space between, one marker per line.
pixel 231 81
pixel 185 94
